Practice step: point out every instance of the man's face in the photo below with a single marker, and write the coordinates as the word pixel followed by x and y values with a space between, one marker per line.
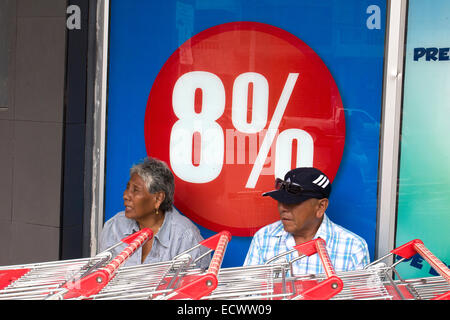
pixel 298 219
pixel 138 202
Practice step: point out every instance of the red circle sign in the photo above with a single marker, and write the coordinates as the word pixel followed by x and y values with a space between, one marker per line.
pixel 235 106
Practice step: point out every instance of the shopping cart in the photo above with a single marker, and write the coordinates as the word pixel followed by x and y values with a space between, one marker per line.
pixel 427 288
pixel 168 280
pixel 374 282
pixel 66 278
pixel 102 278
pixel 272 281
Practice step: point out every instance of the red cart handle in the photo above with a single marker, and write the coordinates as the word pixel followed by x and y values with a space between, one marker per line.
pixel 330 286
pixel 96 281
pixel 218 242
pixel 9 276
pixel 409 249
pixel 203 285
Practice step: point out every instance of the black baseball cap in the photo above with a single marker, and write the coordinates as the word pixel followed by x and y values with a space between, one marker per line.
pixel 301 184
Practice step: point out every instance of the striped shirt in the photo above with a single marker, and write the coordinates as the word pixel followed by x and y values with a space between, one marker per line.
pixel 347 250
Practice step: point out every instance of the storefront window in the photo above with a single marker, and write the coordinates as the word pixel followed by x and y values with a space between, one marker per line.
pixel 232 94
pixel 424 170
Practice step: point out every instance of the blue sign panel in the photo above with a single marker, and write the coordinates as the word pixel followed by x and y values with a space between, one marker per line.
pixel 158 49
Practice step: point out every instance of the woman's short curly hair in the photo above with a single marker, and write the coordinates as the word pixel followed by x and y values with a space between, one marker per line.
pixel 157 178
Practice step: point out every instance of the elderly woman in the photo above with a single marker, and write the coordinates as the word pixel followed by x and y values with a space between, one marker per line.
pixel 148 200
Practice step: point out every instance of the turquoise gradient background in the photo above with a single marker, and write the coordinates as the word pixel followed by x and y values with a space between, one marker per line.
pixel 424 185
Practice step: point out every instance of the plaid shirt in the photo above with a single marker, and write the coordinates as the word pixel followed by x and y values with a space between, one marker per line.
pixel 347 250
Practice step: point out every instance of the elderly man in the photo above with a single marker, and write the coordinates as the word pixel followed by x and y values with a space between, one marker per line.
pixel 302 202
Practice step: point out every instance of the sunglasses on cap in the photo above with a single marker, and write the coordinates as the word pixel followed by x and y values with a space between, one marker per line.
pixel 292 187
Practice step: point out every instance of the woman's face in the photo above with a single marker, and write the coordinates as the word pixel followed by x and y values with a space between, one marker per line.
pixel 138 202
